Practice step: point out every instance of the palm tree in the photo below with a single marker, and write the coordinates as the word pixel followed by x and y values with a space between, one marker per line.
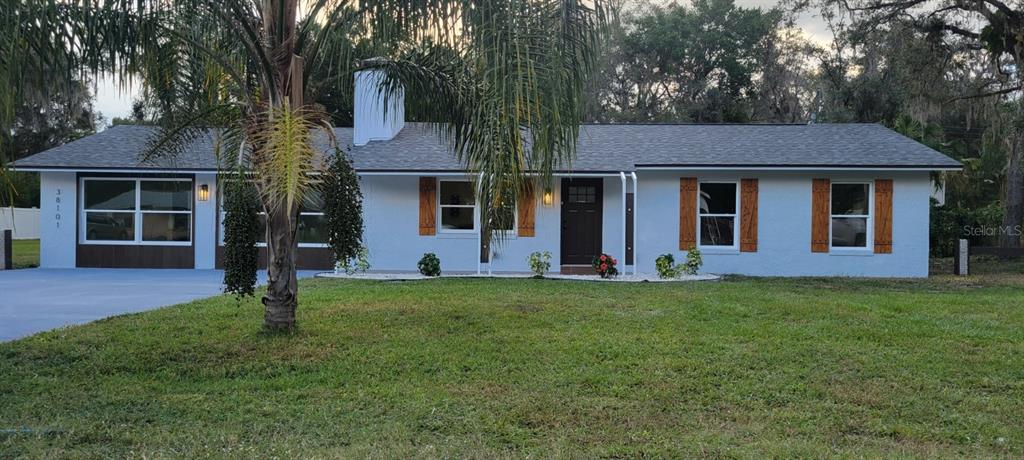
pixel 505 79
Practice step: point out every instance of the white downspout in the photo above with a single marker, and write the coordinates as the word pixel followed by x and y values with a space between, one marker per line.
pixel 622 177
pixel 636 229
pixel 480 227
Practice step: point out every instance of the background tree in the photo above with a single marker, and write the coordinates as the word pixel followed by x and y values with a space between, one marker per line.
pixel 44 119
pixel 987 32
pixel 684 63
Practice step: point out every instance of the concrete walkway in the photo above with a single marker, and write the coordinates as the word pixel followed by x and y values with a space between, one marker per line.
pixel 37 300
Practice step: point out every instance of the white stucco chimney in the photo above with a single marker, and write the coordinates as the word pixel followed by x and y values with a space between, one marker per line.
pixel 374 118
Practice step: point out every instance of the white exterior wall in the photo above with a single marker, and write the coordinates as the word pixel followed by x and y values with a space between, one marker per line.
pixel 22 222
pixel 205 238
pixel 784 226
pixel 58 208
pixel 391 216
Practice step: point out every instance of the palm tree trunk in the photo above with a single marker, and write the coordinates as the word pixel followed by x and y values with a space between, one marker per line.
pixel 281 299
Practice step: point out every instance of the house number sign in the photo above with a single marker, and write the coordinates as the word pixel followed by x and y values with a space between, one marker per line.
pixel 57 201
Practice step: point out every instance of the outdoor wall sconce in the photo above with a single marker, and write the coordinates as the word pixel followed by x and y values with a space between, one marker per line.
pixel 549 198
pixel 204 192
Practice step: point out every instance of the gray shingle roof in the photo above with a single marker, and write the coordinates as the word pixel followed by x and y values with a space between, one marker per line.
pixel 601 148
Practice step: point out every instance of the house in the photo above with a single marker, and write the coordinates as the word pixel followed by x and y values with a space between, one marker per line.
pixel 757 199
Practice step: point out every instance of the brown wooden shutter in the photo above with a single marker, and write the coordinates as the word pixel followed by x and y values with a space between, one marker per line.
pixel 821 192
pixel 687 213
pixel 748 215
pixel 428 205
pixel 527 212
pixel 883 216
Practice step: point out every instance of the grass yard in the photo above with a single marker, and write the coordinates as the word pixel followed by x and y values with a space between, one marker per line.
pixel 516 368
pixel 25 253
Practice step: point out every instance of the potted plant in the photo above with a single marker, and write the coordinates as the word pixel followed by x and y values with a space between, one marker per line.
pixel 540 263
pixel 604 265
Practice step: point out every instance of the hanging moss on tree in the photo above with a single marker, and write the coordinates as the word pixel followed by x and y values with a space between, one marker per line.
pixel 343 208
pixel 241 231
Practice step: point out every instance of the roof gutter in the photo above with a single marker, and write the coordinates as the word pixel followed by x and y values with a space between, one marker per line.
pixel 794 168
pixel 115 170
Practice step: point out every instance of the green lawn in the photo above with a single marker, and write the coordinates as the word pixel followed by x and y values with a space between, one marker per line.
pixel 516 368
pixel 25 253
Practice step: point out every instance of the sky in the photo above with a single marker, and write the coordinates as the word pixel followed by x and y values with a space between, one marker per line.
pixel 112 101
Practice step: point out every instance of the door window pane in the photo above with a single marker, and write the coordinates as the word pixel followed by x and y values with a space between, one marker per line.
pixel 850 199
pixel 582 194
pixel 110 195
pixel 109 226
pixel 166 227
pixel 166 196
pixel 849 232
pixel 717 231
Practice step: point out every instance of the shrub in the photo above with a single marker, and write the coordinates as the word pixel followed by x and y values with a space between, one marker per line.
pixel 665 264
pixel 429 265
pixel 604 265
pixel 540 262
pixel 343 209
pixel 949 223
pixel 358 264
pixel 241 230
pixel 693 262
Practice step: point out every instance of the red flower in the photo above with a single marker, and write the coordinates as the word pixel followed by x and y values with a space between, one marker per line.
pixel 604 267
pixel 603 257
pixel 614 261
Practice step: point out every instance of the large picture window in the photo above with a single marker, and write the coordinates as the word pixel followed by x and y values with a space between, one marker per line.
pixel 312 223
pixel 457 206
pixel 851 212
pixel 137 211
pixel 717 213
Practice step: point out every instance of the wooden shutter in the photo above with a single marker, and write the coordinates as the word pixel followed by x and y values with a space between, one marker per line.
pixel 527 212
pixel 428 205
pixel 687 213
pixel 883 216
pixel 748 215
pixel 821 191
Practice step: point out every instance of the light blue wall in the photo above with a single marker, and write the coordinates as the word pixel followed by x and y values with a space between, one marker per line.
pixel 58 210
pixel 391 216
pixel 784 230
pixel 391 219
pixel 391 207
pixel 206 222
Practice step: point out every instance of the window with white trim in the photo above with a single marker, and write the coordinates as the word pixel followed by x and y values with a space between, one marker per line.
pixel 457 206
pixel 851 214
pixel 136 211
pixel 312 223
pixel 718 202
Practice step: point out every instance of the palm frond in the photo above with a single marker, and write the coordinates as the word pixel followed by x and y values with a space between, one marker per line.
pixel 286 159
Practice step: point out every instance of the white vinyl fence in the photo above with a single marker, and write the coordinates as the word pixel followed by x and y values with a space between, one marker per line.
pixel 24 222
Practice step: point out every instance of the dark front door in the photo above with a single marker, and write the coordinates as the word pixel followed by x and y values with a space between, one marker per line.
pixel 581 220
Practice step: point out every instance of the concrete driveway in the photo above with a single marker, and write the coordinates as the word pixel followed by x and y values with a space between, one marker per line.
pixel 38 300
